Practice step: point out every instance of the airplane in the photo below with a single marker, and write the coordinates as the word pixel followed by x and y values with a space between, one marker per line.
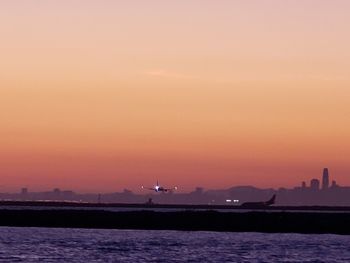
pixel 259 204
pixel 157 188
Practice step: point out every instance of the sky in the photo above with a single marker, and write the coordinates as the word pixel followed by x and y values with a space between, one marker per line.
pixel 101 96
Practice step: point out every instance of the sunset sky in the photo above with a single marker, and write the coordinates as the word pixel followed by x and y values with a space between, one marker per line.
pixel 104 95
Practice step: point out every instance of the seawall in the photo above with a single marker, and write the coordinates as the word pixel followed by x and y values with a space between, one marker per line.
pixel 260 221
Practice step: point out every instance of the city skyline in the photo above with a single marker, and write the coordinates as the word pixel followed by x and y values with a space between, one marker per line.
pixel 312 194
pixel 321 184
pixel 96 95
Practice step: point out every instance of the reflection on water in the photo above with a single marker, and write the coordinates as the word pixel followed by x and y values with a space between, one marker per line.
pixel 93 245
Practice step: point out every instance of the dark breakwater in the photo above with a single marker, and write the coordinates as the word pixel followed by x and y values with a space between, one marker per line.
pixel 70 204
pixel 276 222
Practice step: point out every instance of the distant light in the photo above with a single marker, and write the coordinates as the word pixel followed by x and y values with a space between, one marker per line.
pixel 236 201
pixel 228 200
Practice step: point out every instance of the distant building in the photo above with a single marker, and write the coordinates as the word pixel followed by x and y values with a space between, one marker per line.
pixel 315 184
pixel 24 191
pixel 23 194
pixel 334 184
pixel 325 179
pixel 303 185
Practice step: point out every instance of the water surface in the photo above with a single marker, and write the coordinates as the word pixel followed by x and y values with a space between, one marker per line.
pixel 93 245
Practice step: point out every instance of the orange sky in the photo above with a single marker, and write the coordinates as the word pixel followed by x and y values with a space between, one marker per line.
pixel 107 95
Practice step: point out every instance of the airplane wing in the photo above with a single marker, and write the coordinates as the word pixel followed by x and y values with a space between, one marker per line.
pixel 148 188
pixel 170 189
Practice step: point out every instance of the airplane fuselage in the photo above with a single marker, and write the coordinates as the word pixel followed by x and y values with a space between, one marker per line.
pixel 259 204
pixel 160 189
pixel 157 188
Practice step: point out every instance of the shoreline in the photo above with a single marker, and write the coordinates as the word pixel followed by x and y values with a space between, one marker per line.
pixel 72 204
pixel 253 221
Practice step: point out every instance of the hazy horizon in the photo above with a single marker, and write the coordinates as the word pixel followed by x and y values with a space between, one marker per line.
pixel 105 95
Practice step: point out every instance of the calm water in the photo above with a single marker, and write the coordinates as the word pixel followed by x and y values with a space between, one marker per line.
pixel 89 245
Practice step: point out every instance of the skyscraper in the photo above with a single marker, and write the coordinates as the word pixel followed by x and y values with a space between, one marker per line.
pixel 315 184
pixel 325 179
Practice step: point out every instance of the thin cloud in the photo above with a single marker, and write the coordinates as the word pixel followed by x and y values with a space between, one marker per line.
pixel 169 74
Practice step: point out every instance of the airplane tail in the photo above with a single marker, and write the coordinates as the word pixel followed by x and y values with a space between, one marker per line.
pixel 271 201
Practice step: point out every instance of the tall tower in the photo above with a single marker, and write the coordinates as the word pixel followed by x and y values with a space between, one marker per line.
pixel 325 179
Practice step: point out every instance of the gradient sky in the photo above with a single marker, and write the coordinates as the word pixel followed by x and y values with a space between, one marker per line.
pixel 105 95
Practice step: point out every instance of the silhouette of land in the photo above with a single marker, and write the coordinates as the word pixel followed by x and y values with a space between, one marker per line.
pixel 305 209
pixel 314 194
pixel 34 205
pixel 297 222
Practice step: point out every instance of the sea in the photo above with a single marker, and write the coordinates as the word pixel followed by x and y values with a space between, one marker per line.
pixel 103 245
